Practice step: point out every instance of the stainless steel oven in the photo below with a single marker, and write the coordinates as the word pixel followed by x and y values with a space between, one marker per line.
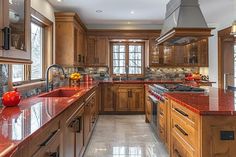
pixel 154 115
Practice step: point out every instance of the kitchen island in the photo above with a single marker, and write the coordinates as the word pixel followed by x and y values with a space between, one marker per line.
pixel 201 124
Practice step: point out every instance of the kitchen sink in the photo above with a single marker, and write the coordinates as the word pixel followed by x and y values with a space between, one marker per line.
pixel 60 93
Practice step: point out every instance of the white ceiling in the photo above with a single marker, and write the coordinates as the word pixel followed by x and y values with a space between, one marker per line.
pixel 146 12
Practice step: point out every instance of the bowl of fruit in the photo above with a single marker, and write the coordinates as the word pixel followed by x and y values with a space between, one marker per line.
pixel 75 79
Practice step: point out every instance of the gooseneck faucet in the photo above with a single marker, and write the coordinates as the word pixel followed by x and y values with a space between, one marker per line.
pixel 47 74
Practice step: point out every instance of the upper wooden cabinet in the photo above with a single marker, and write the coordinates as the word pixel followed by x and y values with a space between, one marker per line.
pixel 97 54
pixel 15 31
pixel 190 55
pixel 70 39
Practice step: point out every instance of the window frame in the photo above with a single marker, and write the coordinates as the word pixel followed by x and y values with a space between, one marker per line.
pixel 127 44
pixel 47 49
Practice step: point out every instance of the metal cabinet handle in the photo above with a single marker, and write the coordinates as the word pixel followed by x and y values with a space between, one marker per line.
pixel 75 125
pixel 50 138
pixel 177 153
pixel 54 154
pixel 181 130
pixel 79 56
pixel 181 112
pixel 6 38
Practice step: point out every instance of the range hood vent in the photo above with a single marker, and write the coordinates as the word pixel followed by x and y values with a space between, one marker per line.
pixel 184 23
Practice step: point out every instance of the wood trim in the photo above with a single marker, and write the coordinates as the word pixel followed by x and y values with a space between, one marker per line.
pixel 5 60
pixel 127 58
pixel 200 33
pixel 69 16
pixel 125 34
pixel 221 35
pixel 40 18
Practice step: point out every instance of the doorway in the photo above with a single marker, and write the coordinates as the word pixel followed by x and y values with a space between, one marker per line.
pixel 226 54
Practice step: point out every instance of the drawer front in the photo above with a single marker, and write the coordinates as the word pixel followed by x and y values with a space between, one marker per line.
pixel 184 130
pixel 184 113
pixel 162 133
pixel 43 135
pixel 180 149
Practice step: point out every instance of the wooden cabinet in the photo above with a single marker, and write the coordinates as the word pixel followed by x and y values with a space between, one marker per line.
pixel 107 98
pixel 47 141
pixel 184 131
pixel 162 118
pixel 15 35
pixel 97 51
pixel 130 98
pixel 70 39
pixel 148 106
pixel 190 55
pixel 123 99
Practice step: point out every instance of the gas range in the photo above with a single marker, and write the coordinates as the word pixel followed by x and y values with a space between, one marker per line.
pixel 158 90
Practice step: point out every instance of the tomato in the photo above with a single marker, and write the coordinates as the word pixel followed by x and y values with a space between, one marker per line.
pixel 11 98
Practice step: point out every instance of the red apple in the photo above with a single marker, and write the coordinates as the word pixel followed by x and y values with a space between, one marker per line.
pixel 11 98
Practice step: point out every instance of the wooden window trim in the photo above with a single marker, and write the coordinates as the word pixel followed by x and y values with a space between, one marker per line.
pixel 48 39
pixel 127 58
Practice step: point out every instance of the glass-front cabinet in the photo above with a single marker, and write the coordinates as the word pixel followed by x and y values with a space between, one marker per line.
pixel 15 31
pixel 190 55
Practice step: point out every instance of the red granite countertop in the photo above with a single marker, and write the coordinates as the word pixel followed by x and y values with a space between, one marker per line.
pixel 20 123
pixel 213 102
pixel 140 81
pixel 149 82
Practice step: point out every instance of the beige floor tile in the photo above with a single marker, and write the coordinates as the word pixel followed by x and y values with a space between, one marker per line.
pixel 124 136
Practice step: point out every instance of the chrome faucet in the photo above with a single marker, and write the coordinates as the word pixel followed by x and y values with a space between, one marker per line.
pixel 47 74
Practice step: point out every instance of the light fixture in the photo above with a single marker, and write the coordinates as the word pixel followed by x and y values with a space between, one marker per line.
pixel 59 0
pixel 99 11
pixel 129 23
pixel 131 12
pixel 233 29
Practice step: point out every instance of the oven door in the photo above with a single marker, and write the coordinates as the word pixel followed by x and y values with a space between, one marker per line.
pixel 154 106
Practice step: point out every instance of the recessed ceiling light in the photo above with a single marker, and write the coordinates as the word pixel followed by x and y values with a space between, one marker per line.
pixel 131 12
pixel 99 11
pixel 129 23
pixel 59 0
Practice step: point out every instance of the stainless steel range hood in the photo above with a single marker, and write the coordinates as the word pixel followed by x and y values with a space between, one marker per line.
pixel 184 23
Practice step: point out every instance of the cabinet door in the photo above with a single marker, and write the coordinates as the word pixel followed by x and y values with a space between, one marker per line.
pixel 148 110
pixel 101 51
pixel 66 43
pixel 107 98
pixel 16 16
pixel 122 97
pixel 79 137
pixel 136 100
pixel 80 46
pixel 91 47
pixel 1 26
pixel 87 121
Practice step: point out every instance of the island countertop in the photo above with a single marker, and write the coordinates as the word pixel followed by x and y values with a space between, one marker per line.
pixel 212 102
pixel 20 123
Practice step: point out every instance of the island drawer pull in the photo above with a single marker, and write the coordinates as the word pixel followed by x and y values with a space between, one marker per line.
pixel 181 130
pixel 50 138
pixel 177 153
pixel 181 112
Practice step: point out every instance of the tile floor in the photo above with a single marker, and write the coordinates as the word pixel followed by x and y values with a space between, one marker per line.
pixel 124 136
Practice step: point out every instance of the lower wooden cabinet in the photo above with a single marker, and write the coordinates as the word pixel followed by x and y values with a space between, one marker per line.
pixel 130 98
pixel 107 98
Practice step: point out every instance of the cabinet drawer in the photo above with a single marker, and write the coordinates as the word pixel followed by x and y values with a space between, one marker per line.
pixel 43 135
pixel 180 149
pixel 184 113
pixel 184 130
